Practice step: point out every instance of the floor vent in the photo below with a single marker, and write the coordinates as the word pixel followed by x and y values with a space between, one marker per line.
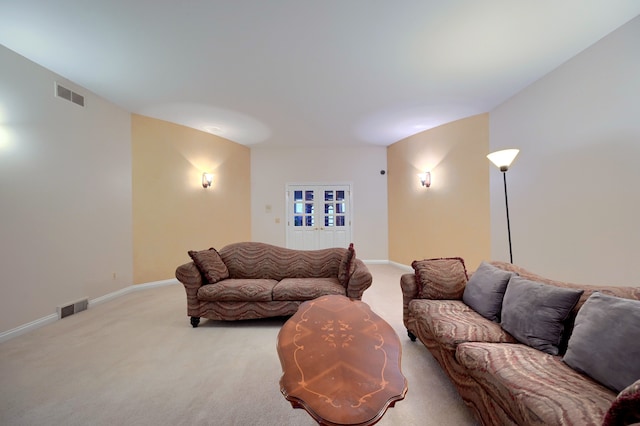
pixel 70 95
pixel 72 308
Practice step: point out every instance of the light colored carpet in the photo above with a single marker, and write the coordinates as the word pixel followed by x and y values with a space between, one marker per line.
pixel 137 361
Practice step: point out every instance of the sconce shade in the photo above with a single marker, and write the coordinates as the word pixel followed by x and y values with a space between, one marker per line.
pixel 503 159
pixel 425 179
pixel 207 179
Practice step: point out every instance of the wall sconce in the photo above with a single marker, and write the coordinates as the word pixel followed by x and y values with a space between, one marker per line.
pixel 207 179
pixel 425 179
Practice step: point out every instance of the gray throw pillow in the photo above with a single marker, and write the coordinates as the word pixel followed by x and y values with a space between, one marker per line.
pixel 485 290
pixel 534 313
pixel 605 343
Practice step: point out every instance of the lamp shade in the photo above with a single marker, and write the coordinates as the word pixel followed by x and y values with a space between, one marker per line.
pixel 207 179
pixel 425 179
pixel 503 159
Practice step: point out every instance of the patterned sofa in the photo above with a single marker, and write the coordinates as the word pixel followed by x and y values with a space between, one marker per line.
pixel 249 280
pixel 509 381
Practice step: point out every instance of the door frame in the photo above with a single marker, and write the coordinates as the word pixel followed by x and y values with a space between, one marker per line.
pixel 289 214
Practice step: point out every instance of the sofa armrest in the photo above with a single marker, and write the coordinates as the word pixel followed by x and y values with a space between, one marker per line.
pixel 359 281
pixel 409 287
pixel 625 409
pixel 189 275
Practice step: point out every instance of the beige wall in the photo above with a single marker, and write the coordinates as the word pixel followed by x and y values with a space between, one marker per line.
pixel 65 194
pixel 275 167
pixel 91 194
pixel 574 201
pixel 451 218
pixel 172 212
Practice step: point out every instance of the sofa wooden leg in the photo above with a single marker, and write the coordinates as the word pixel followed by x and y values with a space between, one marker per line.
pixel 411 336
pixel 195 321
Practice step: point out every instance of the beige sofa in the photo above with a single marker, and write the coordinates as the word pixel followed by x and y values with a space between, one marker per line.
pixel 510 381
pixel 249 280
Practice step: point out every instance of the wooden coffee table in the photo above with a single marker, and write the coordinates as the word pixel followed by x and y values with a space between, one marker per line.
pixel 340 362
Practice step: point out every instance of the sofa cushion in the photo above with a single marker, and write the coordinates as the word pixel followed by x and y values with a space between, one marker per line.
pixel 536 388
pixel 347 265
pixel 605 343
pixel 238 290
pixel 306 288
pixel 442 278
pixel 261 260
pixel 534 313
pixel 210 265
pixel 451 322
pixel 485 290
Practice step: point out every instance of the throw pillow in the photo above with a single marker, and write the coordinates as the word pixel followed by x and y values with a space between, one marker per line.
pixel 625 409
pixel 210 264
pixel 442 278
pixel 485 290
pixel 347 266
pixel 605 343
pixel 534 313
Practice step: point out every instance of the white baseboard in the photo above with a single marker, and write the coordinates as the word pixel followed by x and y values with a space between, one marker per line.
pixel 407 268
pixel 130 289
pixel 25 328
pixel 33 325
pixel 375 262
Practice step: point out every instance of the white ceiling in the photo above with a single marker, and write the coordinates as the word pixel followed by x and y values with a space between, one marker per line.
pixel 307 72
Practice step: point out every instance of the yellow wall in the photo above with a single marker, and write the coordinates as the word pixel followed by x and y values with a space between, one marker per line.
pixel 451 218
pixel 172 213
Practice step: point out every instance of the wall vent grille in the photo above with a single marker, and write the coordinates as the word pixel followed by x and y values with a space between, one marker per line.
pixel 70 95
pixel 72 308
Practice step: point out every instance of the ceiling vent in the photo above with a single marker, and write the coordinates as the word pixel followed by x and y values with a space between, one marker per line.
pixel 70 95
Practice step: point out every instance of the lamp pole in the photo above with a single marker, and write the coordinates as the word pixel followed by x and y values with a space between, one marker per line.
pixel 502 160
pixel 506 204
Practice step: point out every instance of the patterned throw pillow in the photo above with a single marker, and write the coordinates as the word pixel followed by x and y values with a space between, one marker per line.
pixel 625 409
pixel 210 264
pixel 443 278
pixel 347 265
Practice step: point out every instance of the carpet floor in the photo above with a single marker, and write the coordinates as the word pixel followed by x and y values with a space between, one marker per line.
pixel 136 361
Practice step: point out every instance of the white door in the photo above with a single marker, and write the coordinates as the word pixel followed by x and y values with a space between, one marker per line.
pixel 318 216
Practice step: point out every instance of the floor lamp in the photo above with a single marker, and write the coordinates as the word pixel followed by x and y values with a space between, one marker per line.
pixel 502 160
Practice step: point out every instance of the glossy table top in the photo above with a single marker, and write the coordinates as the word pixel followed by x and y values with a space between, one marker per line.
pixel 341 362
